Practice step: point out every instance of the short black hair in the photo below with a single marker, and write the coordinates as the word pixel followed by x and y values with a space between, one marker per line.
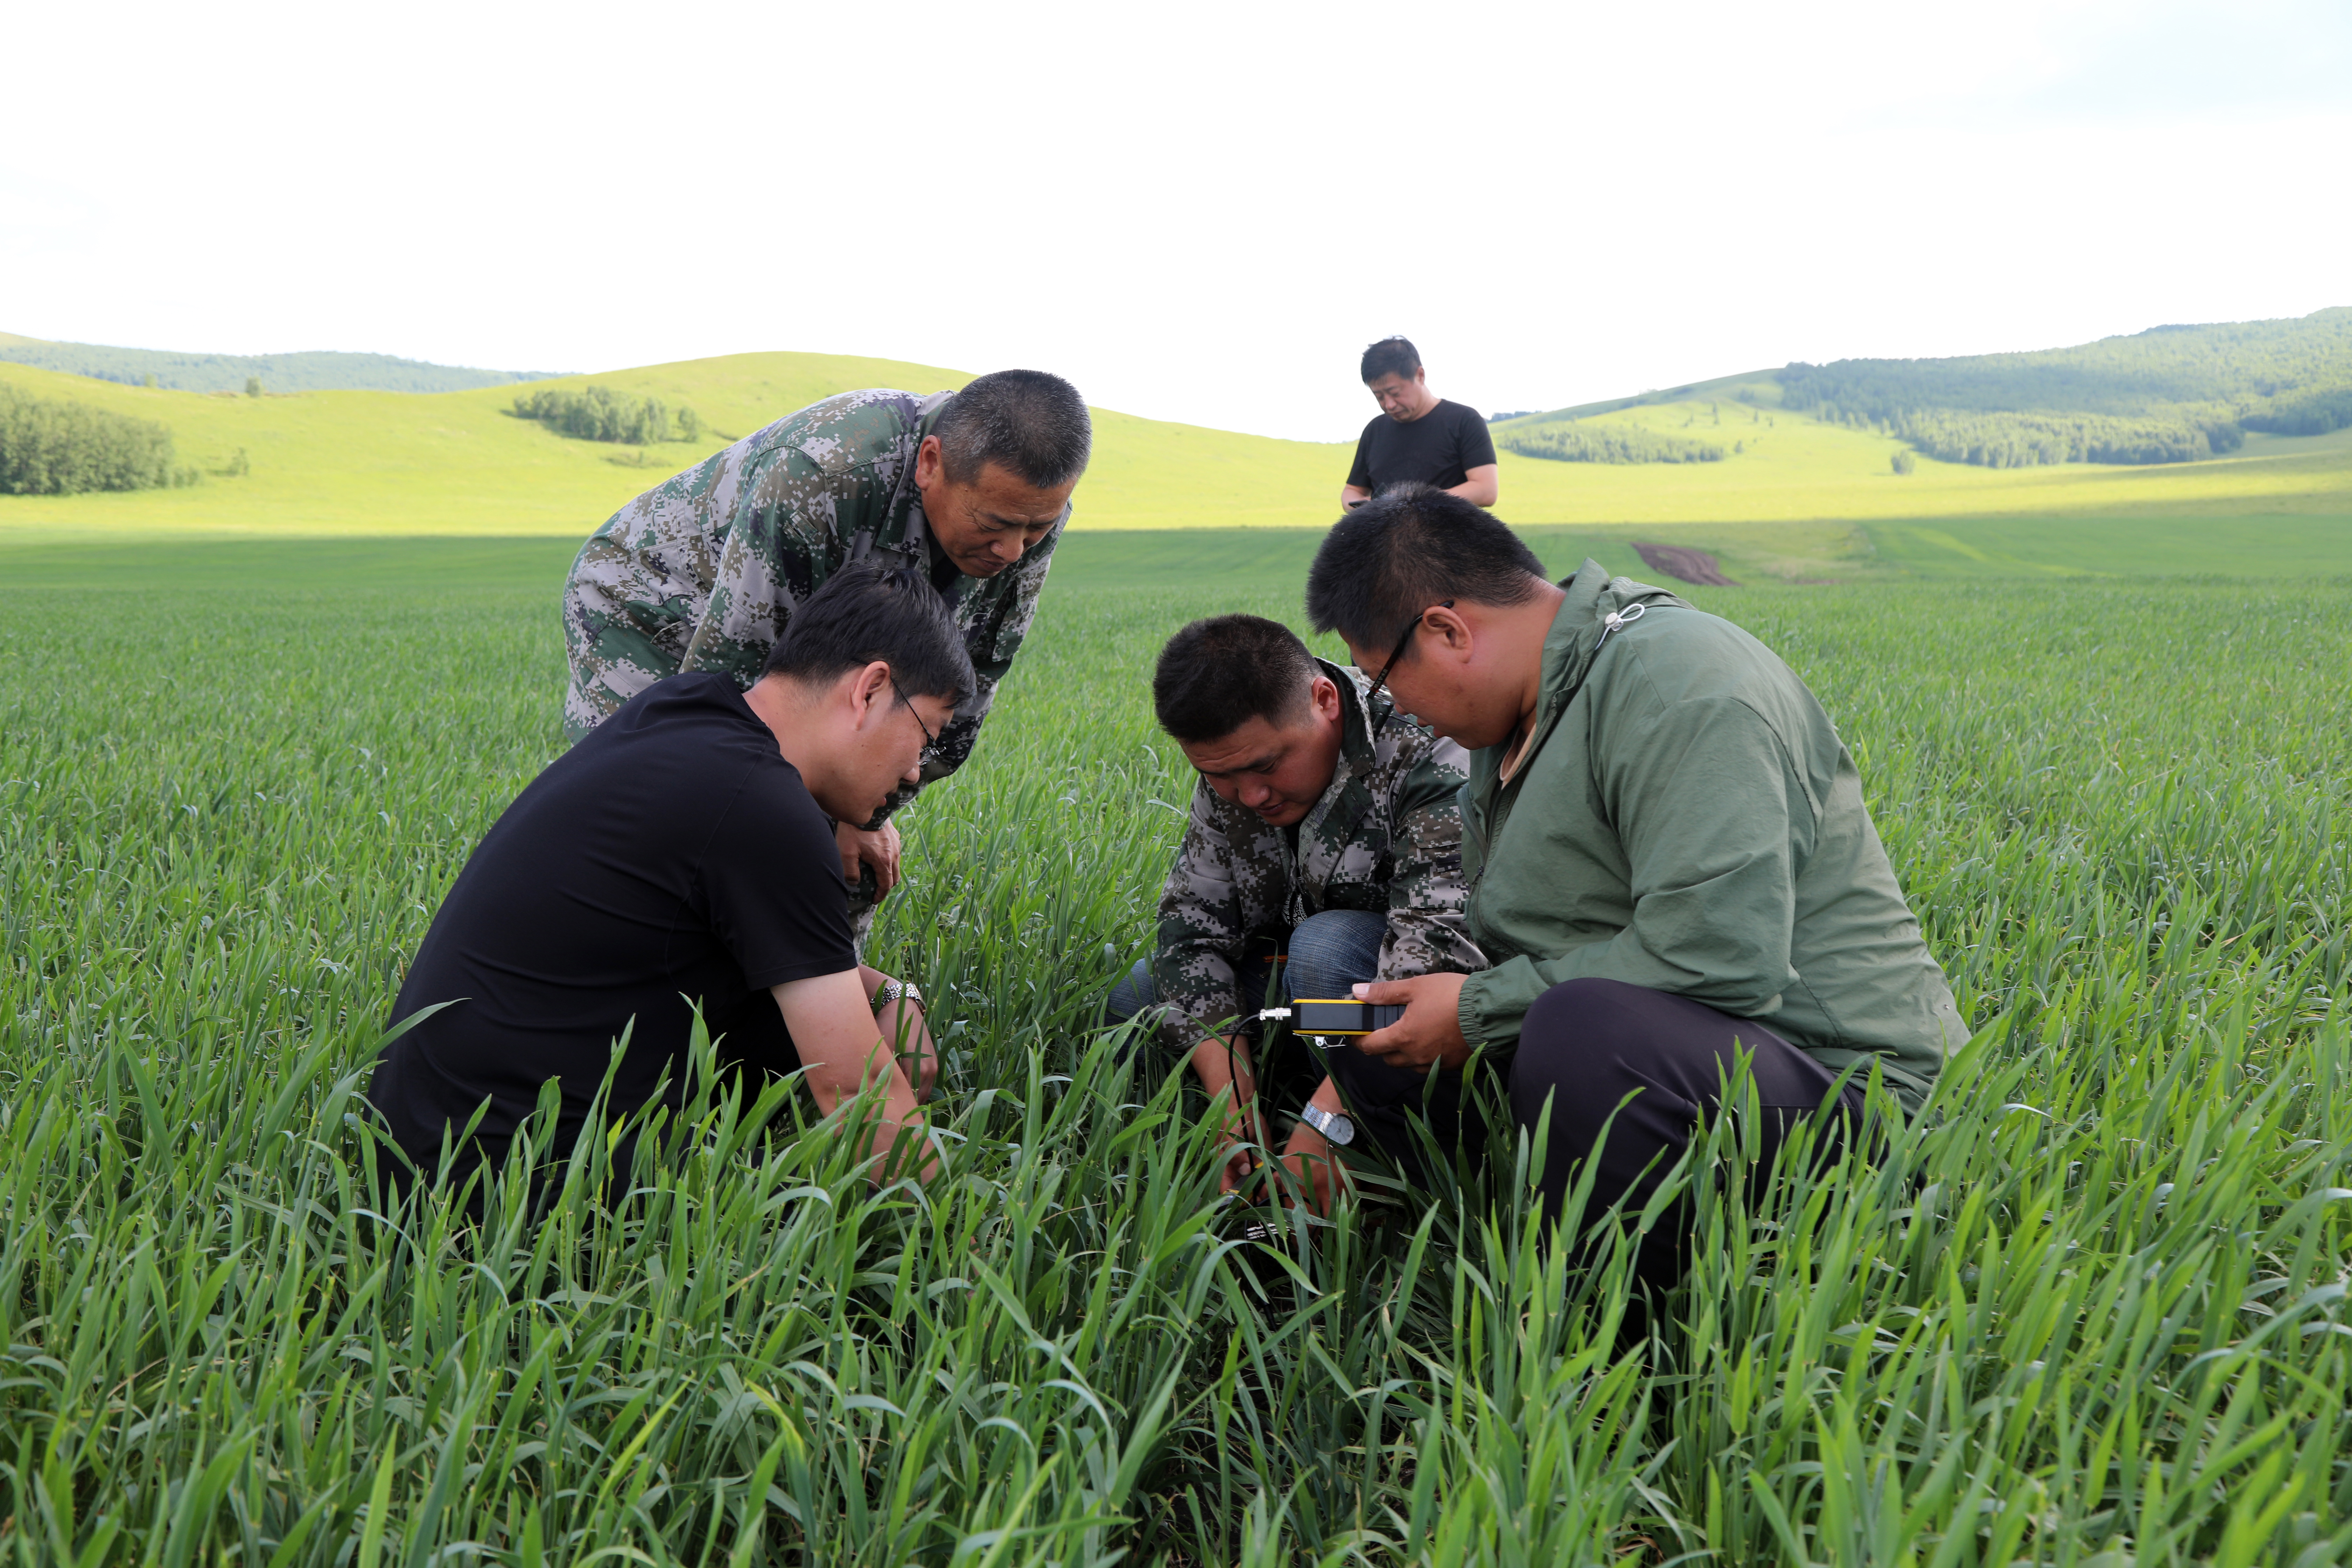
pixel 1032 424
pixel 1217 675
pixel 866 613
pixel 1390 356
pixel 1408 548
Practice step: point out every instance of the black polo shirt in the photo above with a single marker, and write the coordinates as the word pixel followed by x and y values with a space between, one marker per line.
pixel 672 857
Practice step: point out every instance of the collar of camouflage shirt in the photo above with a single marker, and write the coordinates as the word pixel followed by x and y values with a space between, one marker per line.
pixel 1356 750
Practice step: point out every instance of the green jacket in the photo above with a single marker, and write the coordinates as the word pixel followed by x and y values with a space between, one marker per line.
pixel 1688 820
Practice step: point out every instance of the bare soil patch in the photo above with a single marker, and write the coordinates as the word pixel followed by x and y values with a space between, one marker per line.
pixel 1683 565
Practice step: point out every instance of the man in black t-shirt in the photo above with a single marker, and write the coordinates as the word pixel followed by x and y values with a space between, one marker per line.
pixel 1419 437
pixel 683 855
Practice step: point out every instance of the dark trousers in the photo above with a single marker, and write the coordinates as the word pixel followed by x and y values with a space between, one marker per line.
pixel 1586 1045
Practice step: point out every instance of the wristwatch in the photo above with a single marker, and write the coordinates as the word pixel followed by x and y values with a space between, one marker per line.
pixel 1334 1125
pixel 891 991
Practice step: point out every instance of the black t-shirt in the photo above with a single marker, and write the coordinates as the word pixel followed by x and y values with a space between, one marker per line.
pixel 1439 448
pixel 672 854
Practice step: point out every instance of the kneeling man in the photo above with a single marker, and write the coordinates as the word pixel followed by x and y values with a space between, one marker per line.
pixel 1668 853
pixel 1323 830
pixel 681 855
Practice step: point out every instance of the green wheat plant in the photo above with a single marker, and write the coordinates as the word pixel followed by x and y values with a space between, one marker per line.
pixel 2089 1310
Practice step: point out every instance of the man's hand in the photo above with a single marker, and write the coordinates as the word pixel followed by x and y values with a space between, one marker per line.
pixel 1309 1158
pixel 1226 1065
pixel 1430 1033
pixel 878 849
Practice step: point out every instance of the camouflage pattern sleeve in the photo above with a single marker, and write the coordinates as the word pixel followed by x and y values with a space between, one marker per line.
pixel 788 538
pixel 637 588
pixel 1204 925
pixel 1428 930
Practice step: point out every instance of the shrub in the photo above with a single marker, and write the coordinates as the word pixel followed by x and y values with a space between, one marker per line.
pixel 598 413
pixel 54 447
pixel 1904 462
pixel 253 386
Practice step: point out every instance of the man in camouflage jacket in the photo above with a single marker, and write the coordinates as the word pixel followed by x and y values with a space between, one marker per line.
pixel 701 573
pixel 1331 832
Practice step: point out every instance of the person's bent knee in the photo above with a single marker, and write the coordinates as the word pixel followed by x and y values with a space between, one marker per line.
pixel 1132 994
pixel 1336 950
pixel 1576 1009
pixel 1579 1045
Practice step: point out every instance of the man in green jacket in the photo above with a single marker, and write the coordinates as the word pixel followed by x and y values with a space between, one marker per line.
pixel 1667 852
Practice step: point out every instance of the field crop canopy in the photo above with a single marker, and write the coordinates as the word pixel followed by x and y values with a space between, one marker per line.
pixel 2092 1309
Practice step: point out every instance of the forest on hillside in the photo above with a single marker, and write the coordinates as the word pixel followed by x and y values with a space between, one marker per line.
pixel 2168 394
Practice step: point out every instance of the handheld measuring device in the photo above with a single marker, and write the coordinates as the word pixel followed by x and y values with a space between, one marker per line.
pixel 1338 1016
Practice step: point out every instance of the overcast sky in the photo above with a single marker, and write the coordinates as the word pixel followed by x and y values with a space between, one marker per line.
pixel 1198 212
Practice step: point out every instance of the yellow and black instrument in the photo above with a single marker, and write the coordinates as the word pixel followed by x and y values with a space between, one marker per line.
pixel 1340 1016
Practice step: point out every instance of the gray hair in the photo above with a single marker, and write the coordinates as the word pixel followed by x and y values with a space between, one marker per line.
pixel 1033 424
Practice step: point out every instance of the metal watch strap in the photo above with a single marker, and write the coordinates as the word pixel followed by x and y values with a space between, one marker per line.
pixel 1335 1126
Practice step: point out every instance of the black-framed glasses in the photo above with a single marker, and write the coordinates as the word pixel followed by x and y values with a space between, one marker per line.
pixel 1403 641
pixel 931 752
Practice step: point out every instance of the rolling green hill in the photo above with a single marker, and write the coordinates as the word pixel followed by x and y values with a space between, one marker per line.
pixel 460 462
pixel 316 372
pixel 2170 394
pixel 1797 495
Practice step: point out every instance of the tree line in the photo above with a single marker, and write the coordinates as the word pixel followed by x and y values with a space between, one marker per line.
pixel 2004 440
pixel 51 446
pixel 1607 443
pixel 599 414
pixel 2305 413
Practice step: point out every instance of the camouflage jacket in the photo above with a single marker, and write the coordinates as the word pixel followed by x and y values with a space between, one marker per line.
pixel 1386 834
pixel 702 570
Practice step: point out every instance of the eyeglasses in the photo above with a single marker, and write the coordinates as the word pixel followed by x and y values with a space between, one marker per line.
pixel 931 752
pixel 1404 640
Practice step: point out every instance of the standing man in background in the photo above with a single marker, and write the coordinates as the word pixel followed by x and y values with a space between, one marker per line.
pixel 970 489
pixel 1418 437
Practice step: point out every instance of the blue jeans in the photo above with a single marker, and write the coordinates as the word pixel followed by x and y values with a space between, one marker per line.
pixel 1327 954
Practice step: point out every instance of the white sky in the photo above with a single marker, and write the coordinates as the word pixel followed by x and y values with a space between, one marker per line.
pixel 1197 212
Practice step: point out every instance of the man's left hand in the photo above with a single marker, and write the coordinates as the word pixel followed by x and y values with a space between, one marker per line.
pixel 878 849
pixel 1430 1033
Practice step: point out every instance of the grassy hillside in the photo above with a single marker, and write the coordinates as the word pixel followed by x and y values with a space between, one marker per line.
pixel 1795 468
pixel 2170 394
pixel 1800 498
pixel 343 462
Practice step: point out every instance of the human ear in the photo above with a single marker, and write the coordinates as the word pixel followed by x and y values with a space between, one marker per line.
pixel 1452 631
pixel 869 689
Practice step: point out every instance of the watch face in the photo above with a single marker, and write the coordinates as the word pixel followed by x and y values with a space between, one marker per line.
pixel 1334 1127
